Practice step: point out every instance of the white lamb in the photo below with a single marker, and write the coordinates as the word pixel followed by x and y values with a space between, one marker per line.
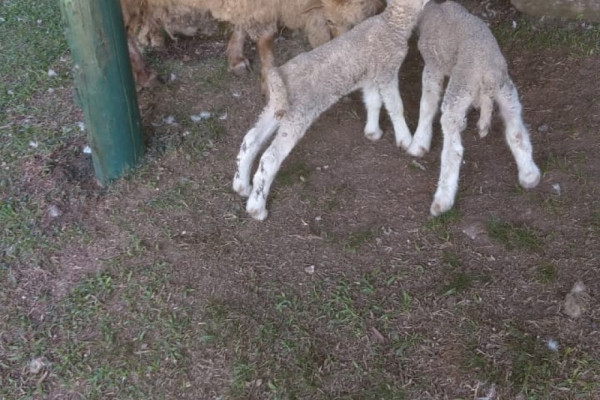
pixel 459 45
pixel 368 57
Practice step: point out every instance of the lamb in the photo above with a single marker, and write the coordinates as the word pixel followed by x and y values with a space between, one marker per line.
pixel 368 57
pixel 257 18
pixel 458 45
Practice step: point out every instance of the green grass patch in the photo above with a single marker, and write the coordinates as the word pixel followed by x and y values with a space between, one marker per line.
pixel 123 331
pixel 546 273
pixel 514 236
pixel 286 350
pixel 19 230
pixel 533 35
pixel 357 239
pixel 32 41
pixel 293 173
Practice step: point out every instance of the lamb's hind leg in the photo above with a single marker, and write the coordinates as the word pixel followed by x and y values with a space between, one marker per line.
pixel 284 141
pixel 432 92
pixel 251 145
pixel 373 102
pixel 517 135
pixel 393 104
pixel 454 110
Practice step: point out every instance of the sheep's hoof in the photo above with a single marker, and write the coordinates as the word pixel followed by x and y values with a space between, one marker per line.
pixel 438 207
pixel 257 213
pixel 530 179
pixel 240 68
pixel 416 150
pixel 241 189
pixel 147 80
pixel 375 135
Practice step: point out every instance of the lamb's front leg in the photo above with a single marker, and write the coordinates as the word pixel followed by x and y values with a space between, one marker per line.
pixel 432 90
pixel 453 123
pixel 373 102
pixel 393 103
pixel 285 140
pixel 251 145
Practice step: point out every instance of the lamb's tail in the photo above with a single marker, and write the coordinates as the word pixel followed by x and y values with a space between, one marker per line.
pixel 486 105
pixel 278 96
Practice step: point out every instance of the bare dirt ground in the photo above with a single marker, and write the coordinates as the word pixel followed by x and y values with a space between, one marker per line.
pixel 349 289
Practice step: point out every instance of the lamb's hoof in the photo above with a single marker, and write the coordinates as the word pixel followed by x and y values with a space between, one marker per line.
pixel 241 189
pixel 375 135
pixel 242 67
pixel 530 179
pixel 440 206
pixel 416 150
pixel 257 213
pixel 404 144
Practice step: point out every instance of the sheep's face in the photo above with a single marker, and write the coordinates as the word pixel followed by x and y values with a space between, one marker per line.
pixel 342 15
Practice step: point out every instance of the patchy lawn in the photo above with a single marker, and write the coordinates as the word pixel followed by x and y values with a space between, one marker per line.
pixel 160 286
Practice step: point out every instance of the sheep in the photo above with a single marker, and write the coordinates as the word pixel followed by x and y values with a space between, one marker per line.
pixel 368 57
pixel 257 18
pixel 458 45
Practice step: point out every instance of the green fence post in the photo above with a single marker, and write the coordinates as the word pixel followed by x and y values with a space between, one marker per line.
pixel 104 84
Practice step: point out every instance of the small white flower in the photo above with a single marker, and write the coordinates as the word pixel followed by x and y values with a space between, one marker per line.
pixel 552 345
pixel 223 117
pixel 81 126
pixel 169 120
pixel 514 24
pixel 52 73
pixel 34 144
pixel 87 150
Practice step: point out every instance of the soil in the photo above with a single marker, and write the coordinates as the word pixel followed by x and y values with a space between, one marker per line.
pixel 348 208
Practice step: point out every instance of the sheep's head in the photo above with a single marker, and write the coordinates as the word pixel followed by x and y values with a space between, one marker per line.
pixel 342 15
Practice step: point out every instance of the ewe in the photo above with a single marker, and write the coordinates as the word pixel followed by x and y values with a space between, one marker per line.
pixel 257 18
pixel 459 45
pixel 368 57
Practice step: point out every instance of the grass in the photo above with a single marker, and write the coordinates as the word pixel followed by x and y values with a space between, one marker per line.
pixel 514 236
pixel 101 338
pixel 143 323
pixel 293 173
pixel 32 41
pixel 356 240
pixel 577 39
pixel 546 273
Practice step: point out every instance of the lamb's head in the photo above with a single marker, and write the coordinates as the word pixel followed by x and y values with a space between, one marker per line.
pixel 342 15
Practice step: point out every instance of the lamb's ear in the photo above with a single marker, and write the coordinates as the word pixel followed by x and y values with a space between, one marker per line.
pixel 312 5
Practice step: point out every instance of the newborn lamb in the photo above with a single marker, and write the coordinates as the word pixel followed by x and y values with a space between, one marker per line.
pixel 459 45
pixel 367 57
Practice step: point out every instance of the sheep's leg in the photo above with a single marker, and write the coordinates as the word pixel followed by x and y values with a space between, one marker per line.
pixel 144 76
pixel 453 120
pixel 373 103
pixel 267 60
pixel 517 135
pixel 285 140
pixel 251 145
pixel 238 64
pixel 432 91
pixel 393 104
